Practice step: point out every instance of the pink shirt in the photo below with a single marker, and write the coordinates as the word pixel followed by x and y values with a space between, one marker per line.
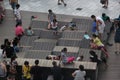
pixel 19 30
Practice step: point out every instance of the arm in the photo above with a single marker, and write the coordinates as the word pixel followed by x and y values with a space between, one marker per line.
pixel 74 74
pixel 97 24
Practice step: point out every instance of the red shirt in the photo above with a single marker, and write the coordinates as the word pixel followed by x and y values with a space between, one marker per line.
pixel 19 30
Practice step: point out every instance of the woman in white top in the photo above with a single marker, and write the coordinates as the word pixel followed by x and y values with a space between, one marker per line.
pixel 79 74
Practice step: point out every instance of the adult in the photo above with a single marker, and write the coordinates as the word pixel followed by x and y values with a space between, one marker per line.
pixel 64 58
pixel 56 71
pixel 13 3
pixel 9 50
pixel 1 51
pixel 17 14
pixel 94 57
pixel 117 39
pixel 19 30
pixel 26 71
pixel 51 16
pixel 13 68
pixel 105 17
pixel 36 71
pixel 53 26
pixel 79 74
pixel 61 1
pixel 97 44
pixel 3 71
pixel 100 25
pixel 15 43
pixel 105 4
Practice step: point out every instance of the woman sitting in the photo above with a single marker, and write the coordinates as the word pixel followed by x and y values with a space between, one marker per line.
pixel 53 26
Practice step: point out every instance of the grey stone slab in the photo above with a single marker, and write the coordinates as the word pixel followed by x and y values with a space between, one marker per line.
pixel 84 43
pixel 39 24
pixel 49 34
pixel 46 40
pixel 82 20
pixel 72 34
pixel 27 40
pixel 69 42
pixel 43 46
pixel 36 54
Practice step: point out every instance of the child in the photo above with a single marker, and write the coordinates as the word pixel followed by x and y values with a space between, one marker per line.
pixel 29 31
pixel 80 58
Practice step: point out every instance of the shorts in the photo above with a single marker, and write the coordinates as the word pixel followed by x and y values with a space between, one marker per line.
pixel 13 5
pixel 55 29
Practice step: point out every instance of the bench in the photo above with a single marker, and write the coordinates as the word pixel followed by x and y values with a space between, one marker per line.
pixel 27 40
pixel 39 24
pixel 73 34
pixel 36 54
pixel 69 42
pixel 43 45
pixel 90 67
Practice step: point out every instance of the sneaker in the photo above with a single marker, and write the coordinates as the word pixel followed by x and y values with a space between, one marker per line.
pixel 59 3
pixel 65 5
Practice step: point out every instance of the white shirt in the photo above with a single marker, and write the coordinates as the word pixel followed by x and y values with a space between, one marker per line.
pixel 79 75
pixel 17 13
pixel 101 20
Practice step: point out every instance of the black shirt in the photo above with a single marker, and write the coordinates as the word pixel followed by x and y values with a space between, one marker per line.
pixel 56 72
pixel 36 71
pixel 9 51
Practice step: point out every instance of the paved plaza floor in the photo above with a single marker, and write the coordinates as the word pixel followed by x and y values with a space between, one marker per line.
pixel 89 7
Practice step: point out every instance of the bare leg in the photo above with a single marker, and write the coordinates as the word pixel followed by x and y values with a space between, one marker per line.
pixel 106 53
pixel 49 26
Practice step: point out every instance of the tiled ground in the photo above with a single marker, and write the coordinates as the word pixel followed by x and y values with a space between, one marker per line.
pixel 88 7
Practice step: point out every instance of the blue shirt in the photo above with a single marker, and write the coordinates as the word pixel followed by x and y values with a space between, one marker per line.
pixel 94 27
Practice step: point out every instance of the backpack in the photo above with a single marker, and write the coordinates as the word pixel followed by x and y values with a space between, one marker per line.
pixel 2 72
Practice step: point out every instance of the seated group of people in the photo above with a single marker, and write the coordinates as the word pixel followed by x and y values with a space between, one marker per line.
pixel 54 26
